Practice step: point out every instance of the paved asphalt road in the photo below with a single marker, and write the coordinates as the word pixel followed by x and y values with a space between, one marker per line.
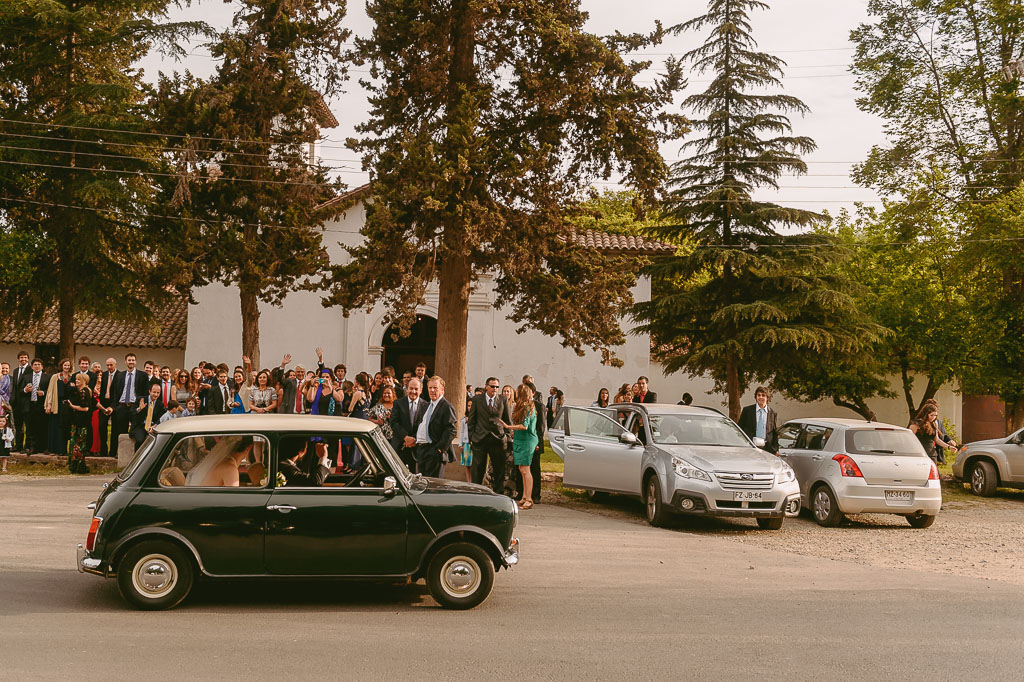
pixel 594 598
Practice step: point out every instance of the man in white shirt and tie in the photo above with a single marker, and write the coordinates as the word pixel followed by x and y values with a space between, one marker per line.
pixel 35 389
pixel 405 419
pixel 166 386
pixel 218 399
pixel 760 421
pixel 435 431
pixel 19 401
pixel 136 386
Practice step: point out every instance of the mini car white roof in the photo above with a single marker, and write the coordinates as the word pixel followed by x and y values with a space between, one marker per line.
pixel 264 422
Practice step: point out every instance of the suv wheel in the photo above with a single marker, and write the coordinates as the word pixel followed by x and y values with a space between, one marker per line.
pixel 460 575
pixel 920 520
pixel 824 507
pixel 765 523
pixel 983 478
pixel 654 508
pixel 155 575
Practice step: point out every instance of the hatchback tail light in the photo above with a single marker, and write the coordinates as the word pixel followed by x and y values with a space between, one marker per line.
pixel 94 527
pixel 847 467
pixel 933 475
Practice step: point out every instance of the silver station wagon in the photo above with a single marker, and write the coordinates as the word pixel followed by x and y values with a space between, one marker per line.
pixel 689 460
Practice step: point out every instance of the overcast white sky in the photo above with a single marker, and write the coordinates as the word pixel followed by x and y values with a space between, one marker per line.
pixel 810 35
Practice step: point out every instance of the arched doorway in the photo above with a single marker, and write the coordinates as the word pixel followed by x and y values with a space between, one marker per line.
pixel 405 353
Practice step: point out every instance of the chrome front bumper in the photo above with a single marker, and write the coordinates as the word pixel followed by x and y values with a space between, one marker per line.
pixel 512 553
pixel 86 564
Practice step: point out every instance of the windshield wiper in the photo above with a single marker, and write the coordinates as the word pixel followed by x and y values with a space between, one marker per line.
pixel 884 452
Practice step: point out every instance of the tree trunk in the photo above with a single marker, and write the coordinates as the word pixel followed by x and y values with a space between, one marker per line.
pixel 732 387
pixel 456 269
pixel 452 326
pixel 250 326
pixel 66 318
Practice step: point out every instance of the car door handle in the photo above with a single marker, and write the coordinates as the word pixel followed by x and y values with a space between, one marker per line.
pixel 284 508
pixel 818 457
pixel 575 447
pixel 783 454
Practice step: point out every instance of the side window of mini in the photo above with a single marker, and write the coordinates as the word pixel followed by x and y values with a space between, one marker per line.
pixel 788 435
pixel 814 437
pixel 216 461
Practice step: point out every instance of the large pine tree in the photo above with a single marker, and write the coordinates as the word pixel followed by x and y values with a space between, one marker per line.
pixel 487 123
pixel 74 189
pixel 747 302
pixel 253 198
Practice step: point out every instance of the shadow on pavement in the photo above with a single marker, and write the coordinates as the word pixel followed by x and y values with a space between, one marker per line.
pixel 38 592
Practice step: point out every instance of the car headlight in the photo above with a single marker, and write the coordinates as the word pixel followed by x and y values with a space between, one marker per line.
pixel 786 474
pixel 686 470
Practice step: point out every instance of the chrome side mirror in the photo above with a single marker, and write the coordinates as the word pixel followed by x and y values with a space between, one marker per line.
pixel 759 443
pixel 390 486
pixel 628 438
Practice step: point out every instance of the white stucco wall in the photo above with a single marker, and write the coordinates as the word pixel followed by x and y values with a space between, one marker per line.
pixel 493 347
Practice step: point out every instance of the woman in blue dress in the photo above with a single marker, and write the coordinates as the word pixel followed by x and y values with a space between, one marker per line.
pixel 524 437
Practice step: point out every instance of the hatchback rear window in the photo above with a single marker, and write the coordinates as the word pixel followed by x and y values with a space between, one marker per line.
pixel 883 442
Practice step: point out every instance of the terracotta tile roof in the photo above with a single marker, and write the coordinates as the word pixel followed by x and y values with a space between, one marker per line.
pixel 603 241
pixel 324 117
pixel 621 243
pixel 169 331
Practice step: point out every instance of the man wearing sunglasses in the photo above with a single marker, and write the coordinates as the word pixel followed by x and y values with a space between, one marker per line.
pixel 488 410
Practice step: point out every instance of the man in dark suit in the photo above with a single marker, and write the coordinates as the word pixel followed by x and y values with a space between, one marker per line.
pixel 135 386
pixel 487 435
pixel 644 396
pixel 19 401
pixel 111 387
pixel 760 421
pixel 218 398
pixel 147 414
pixel 550 412
pixel 405 420
pixel 293 451
pixel 435 432
pixel 291 401
pixel 33 390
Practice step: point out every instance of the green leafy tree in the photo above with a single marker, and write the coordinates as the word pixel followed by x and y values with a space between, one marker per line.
pixel 486 121
pixel 252 198
pixel 748 302
pixel 74 187
pixel 994 262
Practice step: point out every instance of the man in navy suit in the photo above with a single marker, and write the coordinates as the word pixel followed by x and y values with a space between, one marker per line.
pixel 405 419
pixel 134 387
pixel 19 401
pixel 111 387
pixel 435 431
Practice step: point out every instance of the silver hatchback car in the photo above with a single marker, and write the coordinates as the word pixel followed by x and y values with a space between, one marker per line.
pixel 849 466
pixel 690 460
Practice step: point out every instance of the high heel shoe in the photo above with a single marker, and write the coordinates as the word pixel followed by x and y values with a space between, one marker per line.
pixel 527 504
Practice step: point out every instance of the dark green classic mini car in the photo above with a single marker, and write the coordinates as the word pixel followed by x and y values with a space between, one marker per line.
pixel 269 496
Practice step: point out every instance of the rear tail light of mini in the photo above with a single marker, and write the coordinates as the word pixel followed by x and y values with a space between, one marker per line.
pixel 94 527
pixel 933 475
pixel 847 467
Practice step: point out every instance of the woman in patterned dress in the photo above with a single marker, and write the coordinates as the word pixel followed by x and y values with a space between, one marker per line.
pixel 81 403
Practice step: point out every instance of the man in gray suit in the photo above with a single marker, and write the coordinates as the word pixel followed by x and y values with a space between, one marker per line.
pixel 487 435
pixel 291 398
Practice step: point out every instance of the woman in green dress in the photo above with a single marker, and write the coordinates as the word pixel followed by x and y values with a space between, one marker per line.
pixel 524 437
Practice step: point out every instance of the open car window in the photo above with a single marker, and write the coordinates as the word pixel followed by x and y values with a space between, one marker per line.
pixel 329 460
pixel 216 461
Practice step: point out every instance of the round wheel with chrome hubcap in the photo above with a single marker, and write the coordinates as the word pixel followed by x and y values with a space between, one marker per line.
pixel 460 575
pixel 155 575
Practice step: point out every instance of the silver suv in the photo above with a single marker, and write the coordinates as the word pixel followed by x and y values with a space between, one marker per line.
pixel 988 464
pixel 690 460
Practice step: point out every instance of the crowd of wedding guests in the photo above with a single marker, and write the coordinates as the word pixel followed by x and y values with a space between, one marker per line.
pixel 79 412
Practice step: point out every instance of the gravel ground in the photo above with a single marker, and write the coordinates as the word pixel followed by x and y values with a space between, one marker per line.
pixel 976 537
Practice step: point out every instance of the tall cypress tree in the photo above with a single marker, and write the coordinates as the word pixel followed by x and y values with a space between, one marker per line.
pixel 487 121
pixel 74 188
pixel 252 195
pixel 747 300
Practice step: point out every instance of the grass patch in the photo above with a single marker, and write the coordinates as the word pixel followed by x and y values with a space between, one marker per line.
pixel 549 461
pixel 37 470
